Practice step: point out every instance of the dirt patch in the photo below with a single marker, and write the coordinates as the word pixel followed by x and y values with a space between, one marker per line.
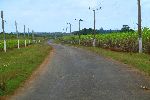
pixel 40 70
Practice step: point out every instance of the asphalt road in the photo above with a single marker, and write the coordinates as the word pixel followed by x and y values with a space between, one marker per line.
pixel 76 74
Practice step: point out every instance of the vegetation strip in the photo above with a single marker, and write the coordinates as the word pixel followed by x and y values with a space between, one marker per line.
pixel 17 65
pixel 13 43
pixel 119 41
pixel 139 61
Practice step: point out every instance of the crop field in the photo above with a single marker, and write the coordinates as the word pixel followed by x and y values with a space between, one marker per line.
pixel 125 42
pixel 13 43
pixel 9 36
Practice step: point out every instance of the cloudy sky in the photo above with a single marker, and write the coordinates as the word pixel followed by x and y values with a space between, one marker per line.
pixel 52 15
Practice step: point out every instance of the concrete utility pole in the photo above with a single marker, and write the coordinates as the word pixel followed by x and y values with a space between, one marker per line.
pixel 3 28
pixel 94 30
pixel 28 32
pixel 94 10
pixel 80 20
pixel 25 42
pixel 16 29
pixel 70 26
pixel 33 35
pixel 139 27
pixel 17 34
pixel 29 35
pixel 66 29
pixel 24 31
pixel 79 26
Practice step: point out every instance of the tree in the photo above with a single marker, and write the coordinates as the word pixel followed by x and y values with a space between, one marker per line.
pixel 125 28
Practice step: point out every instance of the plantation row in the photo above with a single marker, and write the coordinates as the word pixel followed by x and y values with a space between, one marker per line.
pixel 13 43
pixel 14 36
pixel 126 42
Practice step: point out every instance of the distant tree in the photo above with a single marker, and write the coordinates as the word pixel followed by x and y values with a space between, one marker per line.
pixel 131 30
pixel 84 31
pixel 126 28
pixel 11 33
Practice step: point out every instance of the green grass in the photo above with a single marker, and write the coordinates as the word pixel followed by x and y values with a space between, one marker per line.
pixel 17 65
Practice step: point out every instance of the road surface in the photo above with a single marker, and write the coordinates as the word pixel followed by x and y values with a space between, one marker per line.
pixel 76 74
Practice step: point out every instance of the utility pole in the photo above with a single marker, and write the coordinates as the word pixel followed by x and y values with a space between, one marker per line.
pixel 66 29
pixel 28 32
pixel 79 33
pixel 94 10
pixel 24 31
pixel 3 28
pixel 70 26
pixel 33 36
pixel 29 35
pixel 79 25
pixel 80 20
pixel 25 36
pixel 139 27
pixel 94 30
pixel 17 34
pixel 16 29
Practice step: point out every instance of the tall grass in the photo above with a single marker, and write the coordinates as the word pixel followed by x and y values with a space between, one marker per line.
pixel 126 42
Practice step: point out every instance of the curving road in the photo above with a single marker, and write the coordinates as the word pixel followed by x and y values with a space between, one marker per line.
pixel 76 74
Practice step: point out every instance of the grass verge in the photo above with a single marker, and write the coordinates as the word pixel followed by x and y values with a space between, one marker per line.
pixel 139 61
pixel 136 60
pixel 17 65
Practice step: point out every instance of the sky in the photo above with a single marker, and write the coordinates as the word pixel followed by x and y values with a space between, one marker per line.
pixel 53 15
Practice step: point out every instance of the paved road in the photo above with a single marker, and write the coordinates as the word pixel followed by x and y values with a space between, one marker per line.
pixel 76 74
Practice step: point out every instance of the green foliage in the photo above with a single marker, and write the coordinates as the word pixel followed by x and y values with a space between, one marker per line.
pixel 13 36
pixel 124 41
pixel 13 43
